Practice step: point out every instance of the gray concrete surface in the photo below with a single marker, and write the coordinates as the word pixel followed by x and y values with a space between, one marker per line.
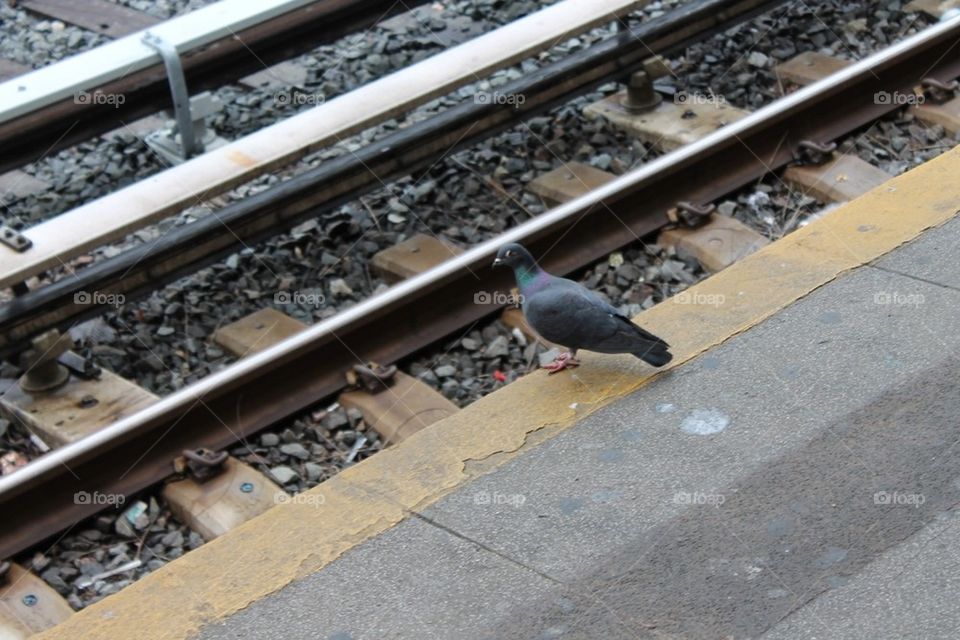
pixel 908 592
pixel 411 582
pixel 932 257
pixel 797 481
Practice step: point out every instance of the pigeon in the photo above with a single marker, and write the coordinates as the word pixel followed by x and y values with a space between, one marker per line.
pixel 569 314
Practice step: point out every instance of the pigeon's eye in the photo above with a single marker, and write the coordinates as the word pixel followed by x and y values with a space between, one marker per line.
pixel 509 253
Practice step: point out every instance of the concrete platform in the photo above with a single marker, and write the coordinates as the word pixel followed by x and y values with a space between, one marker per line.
pixel 793 474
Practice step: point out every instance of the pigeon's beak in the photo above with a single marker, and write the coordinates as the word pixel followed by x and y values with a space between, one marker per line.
pixel 497 262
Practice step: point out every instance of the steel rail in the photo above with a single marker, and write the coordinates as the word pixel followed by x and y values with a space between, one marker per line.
pixel 117 58
pixel 117 214
pixel 37 121
pixel 253 393
pixel 142 269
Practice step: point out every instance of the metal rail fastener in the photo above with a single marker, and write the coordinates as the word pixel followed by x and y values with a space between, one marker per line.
pixel 640 96
pixel 813 152
pixel 938 91
pixel 43 369
pixel 691 215
pixel 201 464
pixel 372 377
pixel 14 239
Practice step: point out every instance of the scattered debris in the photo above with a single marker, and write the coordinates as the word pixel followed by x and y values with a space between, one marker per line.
pixel 11 461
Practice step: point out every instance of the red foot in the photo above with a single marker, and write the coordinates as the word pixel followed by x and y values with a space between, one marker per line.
pixel 563 361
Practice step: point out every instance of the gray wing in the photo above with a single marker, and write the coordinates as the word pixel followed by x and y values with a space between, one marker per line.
pixel 567 313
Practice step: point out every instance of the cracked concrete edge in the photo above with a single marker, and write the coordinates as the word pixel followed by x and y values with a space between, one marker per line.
pixel 295 539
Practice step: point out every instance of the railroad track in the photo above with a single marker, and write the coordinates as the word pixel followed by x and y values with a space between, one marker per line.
pixel 318 191
pixel 41 115
pixel 293 375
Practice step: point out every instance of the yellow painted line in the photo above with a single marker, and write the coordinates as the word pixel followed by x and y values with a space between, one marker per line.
pixel 293 540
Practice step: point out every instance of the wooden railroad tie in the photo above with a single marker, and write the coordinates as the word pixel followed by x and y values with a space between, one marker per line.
pixel 717 244
pixel 233 496
pixel 82 406
pixel 947 115
pixel 668 125
pixel 140 128
pixel 100 16
pixel 257 331
pixel 935 8
pixel 846 176
pixel 280 76
pixel 77 409
pixel 568 182
pixel 810 66
pixel 28 605
pixel 807 68
pixel 412 256
pixel 396 411
pixel 401 409
pixel 839 180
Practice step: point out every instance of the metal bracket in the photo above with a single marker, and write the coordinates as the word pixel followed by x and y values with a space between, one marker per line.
pixel 690 215
pixel 811 152
pixel 165 141
pixel 937 91
pixel 372 377
pixel 202 464
pixel 178 89
pixel 14 239
pixel 79 366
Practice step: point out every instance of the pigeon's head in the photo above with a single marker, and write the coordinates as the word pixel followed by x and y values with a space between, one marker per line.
pixel 513 255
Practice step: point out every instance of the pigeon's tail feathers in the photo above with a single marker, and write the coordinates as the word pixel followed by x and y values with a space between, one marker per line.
pixel 641 332
pixel 655 354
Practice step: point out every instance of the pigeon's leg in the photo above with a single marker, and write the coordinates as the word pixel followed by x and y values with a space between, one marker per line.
pixel 563 361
